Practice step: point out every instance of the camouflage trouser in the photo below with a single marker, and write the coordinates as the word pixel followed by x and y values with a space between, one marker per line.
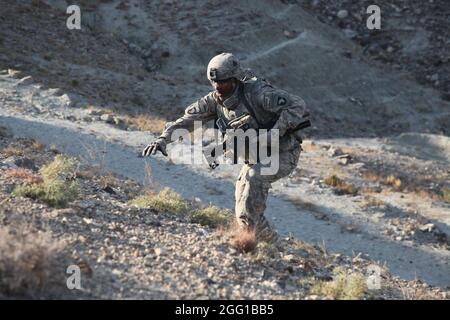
pixel 252 189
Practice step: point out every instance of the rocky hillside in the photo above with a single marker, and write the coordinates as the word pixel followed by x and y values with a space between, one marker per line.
pixel 414 35
pixel 140 57
pixel 131 242
pixel 77 106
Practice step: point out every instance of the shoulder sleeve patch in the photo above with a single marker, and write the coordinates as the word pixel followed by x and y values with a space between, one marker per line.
pixel 197 108
pixel 275 99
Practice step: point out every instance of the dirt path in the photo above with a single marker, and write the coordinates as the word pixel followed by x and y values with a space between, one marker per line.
pixel 117 150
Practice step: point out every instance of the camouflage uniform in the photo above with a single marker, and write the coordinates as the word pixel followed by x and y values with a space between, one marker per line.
pixel 270 105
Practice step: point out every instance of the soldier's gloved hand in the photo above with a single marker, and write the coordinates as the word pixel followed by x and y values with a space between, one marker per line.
pixel 158 145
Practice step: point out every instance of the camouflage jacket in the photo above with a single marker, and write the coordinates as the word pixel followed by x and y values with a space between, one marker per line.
pixel 273 108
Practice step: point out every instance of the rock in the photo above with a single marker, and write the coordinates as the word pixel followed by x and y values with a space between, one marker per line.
pixel 427 227
pixel 315 3
pixel 342 14
pixel 94 112
pixel 26 163
pixel 65 211
pixel 434 77
pixel 159 251
pixel 70 117
pixel 119 122
pixel 150 66
pixel 377 189
pixel 10 163
pixel 347 54
pixel 333 152
pixel 67 101
pixel 5 132
pixel 24 80
pixel 109 190
pixel 289 258
pixel 57 92
pixel 349 33
pixel 107 118
pixel 344 159
pixel 134 49
pixel 13 73
pixel 289 34
pixel 358 165
pixel 88 221
pixel 149 260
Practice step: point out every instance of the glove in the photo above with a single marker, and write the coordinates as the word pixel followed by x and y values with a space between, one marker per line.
pixel 242 122
pixel 158 145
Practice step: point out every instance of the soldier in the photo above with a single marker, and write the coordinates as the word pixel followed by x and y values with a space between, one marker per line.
pixel 236 94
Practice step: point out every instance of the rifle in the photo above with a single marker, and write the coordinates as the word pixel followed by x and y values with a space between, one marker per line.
pixel 241 122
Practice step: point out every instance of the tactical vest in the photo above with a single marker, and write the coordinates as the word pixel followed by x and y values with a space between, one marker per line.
pixel 247 90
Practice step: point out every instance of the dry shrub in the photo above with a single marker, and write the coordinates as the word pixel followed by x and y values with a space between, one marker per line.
pixel 344 286
pixel 393 181
pixel 411 293
pixel 211 216
pixel 340 186
pixel 146 123
pixel 108 180
pixel 12 151
pixel 166 200
pixel 37 146
pixel 58 186
pixel 446 194
pixel 32 264
pixel 242 239
pixel 372 202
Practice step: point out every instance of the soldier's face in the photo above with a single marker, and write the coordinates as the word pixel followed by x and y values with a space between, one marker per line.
pixel 224 87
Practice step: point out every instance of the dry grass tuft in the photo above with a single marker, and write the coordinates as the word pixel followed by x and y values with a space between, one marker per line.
pixel 58 186
pixel 340 186
pixel 446 194
pixel 242 239
pixel 30 264
pixel 344 286
pixel 37 146
pixel 146 123
pixel 211 216
pixel 395 182
pixel 12 151
pixel 166 200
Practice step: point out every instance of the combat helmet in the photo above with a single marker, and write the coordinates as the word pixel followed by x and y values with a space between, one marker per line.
pixel 224 66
